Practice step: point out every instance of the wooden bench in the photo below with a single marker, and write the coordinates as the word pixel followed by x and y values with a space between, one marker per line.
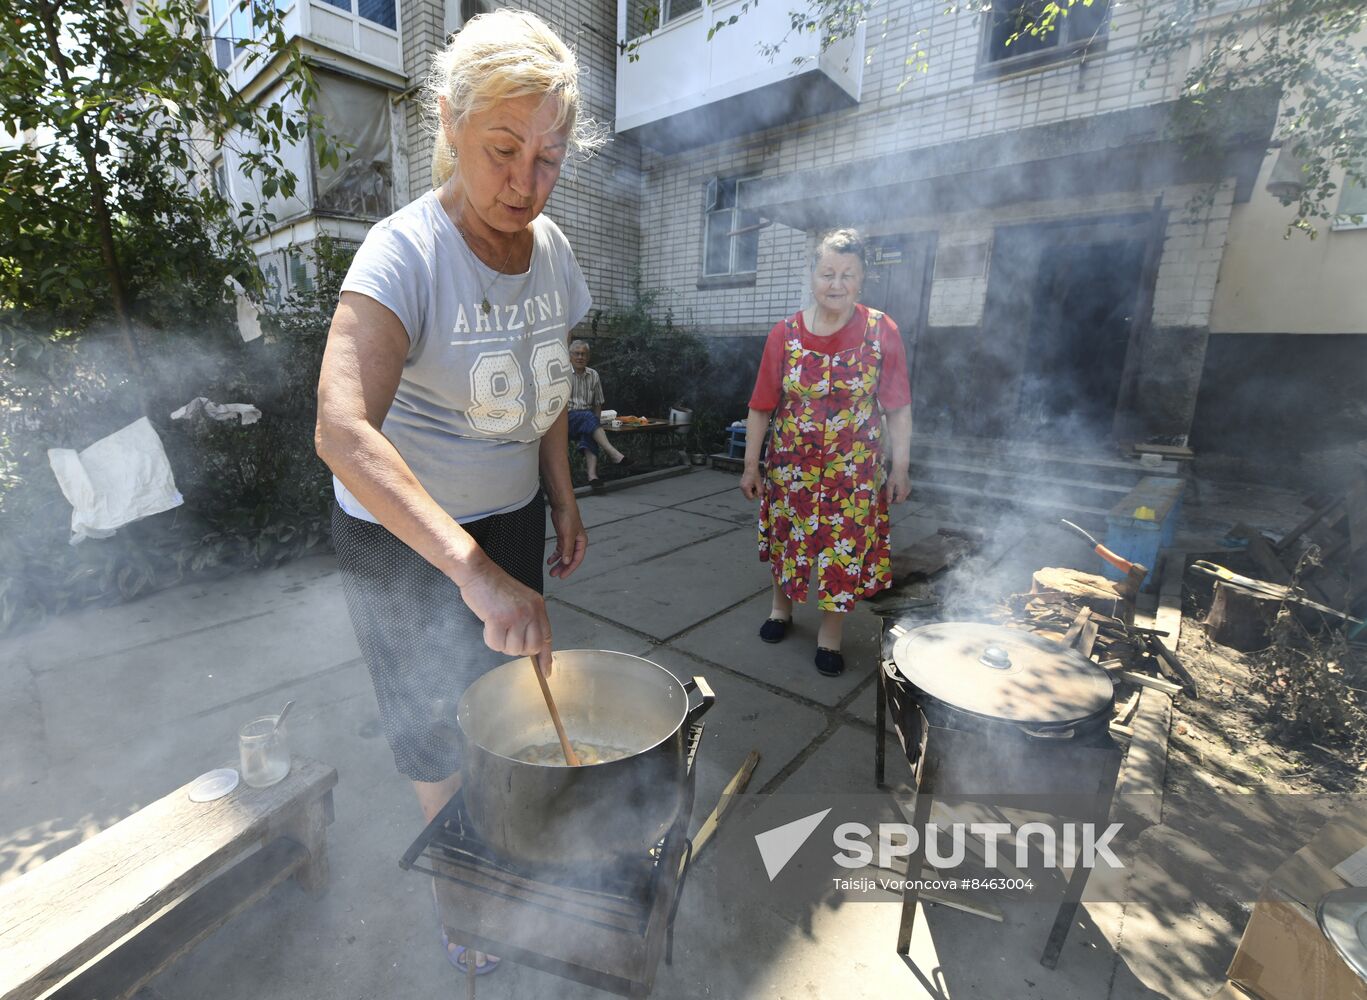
pixel 59 917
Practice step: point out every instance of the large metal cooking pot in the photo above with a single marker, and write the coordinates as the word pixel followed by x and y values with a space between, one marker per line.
pixel 561 816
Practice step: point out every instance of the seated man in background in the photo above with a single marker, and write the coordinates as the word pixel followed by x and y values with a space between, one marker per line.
pixel 586 406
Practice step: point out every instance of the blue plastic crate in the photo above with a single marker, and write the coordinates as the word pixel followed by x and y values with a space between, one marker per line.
pixel 1140 526
pixel 735 445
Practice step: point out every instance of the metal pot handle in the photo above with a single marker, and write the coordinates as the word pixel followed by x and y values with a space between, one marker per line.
pixel 1048 734
pixel 705 691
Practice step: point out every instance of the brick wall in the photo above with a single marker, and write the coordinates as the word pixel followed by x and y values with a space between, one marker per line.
pixel 597 201
pixel 902 110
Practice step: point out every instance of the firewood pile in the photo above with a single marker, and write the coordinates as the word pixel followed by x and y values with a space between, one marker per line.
pixel 1095 616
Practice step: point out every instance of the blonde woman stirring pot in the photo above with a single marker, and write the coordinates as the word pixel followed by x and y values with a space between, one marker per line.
pixel 441 404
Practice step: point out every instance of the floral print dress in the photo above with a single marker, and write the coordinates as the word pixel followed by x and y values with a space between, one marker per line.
pixel 823 504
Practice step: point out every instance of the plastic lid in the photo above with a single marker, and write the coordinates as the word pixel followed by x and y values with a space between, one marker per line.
pixel 213 785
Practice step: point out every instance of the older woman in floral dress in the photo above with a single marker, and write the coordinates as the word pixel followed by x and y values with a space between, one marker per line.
pixel 832 383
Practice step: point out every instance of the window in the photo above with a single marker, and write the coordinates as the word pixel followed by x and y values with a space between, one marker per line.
pixel 459 12
pixel 231 27
pixel 671 10
pixel 300 275
pixel 1009 45
pixel 219 169
pixel 271 265
pixel 381 12
pixel 730 230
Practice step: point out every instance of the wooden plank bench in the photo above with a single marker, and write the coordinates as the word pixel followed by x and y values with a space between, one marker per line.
pixel 62 915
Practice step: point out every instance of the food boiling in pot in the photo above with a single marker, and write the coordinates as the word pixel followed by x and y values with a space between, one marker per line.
pixel 551 753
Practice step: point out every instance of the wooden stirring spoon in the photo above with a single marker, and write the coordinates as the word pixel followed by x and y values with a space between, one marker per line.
pixel 571 758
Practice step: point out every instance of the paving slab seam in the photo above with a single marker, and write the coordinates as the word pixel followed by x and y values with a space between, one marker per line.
pixel 96 657
pixel 716 614
pixel 603 620
pixel 832 715
pixel 731 526
pixel 355 661
pixel 802 756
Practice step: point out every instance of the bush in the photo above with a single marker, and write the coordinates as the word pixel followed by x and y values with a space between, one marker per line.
pixel 254 496
pixel 650 365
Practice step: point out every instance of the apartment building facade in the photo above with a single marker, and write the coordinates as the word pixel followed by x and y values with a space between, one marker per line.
pixel 1066 257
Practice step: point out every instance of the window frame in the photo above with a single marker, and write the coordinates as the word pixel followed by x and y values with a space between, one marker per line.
pixel 736 212
pixel 667 15
pixel 1065 49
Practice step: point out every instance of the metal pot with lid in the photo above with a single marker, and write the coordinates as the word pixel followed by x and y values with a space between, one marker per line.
pixel 972 676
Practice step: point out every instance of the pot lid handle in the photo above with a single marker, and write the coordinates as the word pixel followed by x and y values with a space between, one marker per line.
pixel 995 657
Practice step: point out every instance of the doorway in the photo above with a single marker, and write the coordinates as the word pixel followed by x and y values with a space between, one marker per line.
pixel 1064 310
pixel 898 284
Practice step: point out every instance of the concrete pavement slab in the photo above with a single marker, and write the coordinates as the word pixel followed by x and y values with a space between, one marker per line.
pixel 681 489
pixel 241 598
pixel 732 640
pixel 965 955
pixel 746 717
pixel 727 506
pixel 572 629
pixel 664 595
pixel 619 544
pixel 598 510
pixel 98 698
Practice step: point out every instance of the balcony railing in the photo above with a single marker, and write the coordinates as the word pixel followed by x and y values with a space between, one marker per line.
pixel 362 30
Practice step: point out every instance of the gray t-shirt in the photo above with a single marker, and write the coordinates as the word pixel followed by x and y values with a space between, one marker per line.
pixel 478 390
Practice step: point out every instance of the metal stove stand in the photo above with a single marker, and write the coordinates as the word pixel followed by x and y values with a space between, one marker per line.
pixel 963 763
pixel 605 928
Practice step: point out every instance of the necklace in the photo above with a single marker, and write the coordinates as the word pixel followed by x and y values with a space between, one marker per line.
pixel 484 306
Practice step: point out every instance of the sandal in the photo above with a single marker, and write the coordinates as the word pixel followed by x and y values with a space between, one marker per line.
pixel 456 956
pixel 829 662
pixel 773 629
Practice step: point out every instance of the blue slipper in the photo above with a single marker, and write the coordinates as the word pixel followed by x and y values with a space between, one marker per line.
pixel 456 956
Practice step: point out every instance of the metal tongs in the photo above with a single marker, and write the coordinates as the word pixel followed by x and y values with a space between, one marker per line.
pixel 1262 588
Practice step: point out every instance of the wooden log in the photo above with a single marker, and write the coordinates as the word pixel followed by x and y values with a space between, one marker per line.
pixel 1106 597
pixel 1126 711
pixel 1239 619
pixel 1318 514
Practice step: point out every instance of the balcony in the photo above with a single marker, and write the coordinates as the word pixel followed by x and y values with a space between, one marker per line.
pixel 358 34
pixel 686 91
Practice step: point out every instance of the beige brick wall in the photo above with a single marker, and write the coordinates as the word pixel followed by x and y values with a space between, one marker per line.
pixel 903 110
pixel 596 202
